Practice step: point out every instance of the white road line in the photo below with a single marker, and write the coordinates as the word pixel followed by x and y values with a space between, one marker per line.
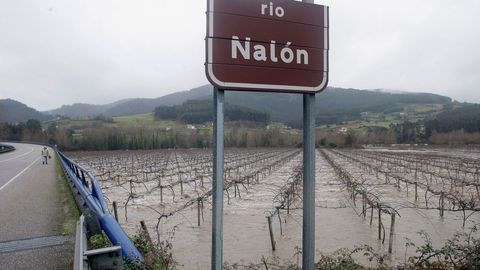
pixel 31 150
pixel 20 173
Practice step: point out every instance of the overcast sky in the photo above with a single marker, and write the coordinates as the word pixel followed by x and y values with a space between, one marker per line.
pixel 55 52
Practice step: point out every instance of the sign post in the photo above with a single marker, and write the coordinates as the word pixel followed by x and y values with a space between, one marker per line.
pixel 217 189
pixel 267 46
pixel 308 237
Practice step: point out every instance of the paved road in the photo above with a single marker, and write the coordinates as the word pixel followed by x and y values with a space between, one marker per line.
pixel 32 212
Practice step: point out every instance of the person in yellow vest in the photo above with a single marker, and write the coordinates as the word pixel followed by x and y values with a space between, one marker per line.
pixel 45 155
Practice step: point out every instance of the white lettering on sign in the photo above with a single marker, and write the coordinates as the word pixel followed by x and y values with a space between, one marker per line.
pixel 287 55
pixel 269 9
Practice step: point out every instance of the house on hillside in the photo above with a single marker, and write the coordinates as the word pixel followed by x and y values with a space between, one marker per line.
pixel 276 126
pixel 342 130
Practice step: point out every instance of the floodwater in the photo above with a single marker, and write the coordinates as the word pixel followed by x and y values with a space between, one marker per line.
pixel 339 223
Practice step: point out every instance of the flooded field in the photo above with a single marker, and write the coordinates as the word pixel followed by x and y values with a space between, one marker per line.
pixel 357 194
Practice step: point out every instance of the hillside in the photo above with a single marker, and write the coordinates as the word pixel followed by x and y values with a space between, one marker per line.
pixel 465 118
pixel 145 105
pixel 201 111
pixel 12 111
pixel 131 106
pixel 333 105
pixel 83 109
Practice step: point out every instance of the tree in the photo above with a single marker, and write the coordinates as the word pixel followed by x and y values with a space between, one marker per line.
pixel 34 126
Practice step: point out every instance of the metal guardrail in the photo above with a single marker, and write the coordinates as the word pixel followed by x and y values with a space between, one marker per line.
pixel 88 191
pixel 102 258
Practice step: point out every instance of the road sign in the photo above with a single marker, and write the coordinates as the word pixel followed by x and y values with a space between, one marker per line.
pixel 267 45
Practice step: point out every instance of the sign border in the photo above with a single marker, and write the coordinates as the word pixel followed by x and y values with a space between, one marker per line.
pixel 265 87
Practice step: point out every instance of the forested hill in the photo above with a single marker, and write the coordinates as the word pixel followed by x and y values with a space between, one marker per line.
pixel 12 111
pixel 82 109
pixel 201 111
pixel 333 105
pixel 466 118
pixel 131 106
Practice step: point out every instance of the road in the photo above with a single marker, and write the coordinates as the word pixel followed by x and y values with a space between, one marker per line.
pixel 33 207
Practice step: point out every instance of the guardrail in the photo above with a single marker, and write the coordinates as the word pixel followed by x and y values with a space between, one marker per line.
pixel 101 258
pixel 6 148
pixel 87 190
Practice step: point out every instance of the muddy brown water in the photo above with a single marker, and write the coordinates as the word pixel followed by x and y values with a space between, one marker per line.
pixel 339 224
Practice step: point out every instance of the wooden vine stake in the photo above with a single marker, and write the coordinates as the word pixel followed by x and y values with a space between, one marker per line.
pixel 288 203
pixel 441 204
pixel 379 221
pixel 364 205
pixel 416 191
pixel 392 232
pixel 145 232
pixel 115 212
pixel 199 201
pixel 181 187
pixel 161 194
pixel 272 240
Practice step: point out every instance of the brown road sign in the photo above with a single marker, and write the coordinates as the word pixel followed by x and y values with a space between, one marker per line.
pixel 267 45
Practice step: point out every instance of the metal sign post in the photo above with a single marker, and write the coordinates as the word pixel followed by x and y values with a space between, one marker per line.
pixel 276 46
pixel 308 237
pixel 217 192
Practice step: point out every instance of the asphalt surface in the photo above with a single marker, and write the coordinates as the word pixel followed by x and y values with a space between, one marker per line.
pixel 31 207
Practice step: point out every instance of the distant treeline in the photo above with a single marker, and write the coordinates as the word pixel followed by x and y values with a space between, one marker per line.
pixel 459 125
pixel 32 131
pixel 103 137
pixel 145 139
pixel 201 111
pixel 466 118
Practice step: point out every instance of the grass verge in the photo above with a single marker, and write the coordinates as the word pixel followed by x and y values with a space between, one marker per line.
pixel 71 213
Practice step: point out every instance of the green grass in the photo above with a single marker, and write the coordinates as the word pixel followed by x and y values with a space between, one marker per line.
pixel 146 120
pixel 71 213
pixel 426 108
pixel 413 113
pixel 99 240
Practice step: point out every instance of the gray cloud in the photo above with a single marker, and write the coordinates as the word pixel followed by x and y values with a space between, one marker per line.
pixel 63 51
pixel 414 45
